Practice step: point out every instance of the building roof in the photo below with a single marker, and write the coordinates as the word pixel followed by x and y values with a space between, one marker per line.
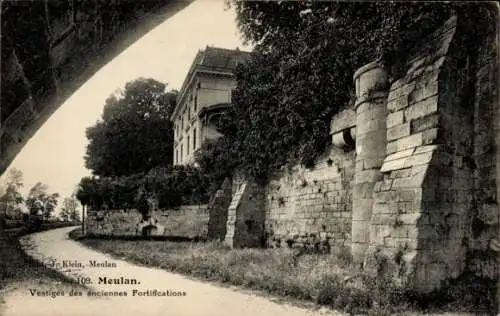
pixel 212 59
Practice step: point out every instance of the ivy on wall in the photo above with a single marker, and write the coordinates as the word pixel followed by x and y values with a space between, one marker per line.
pixel 305 53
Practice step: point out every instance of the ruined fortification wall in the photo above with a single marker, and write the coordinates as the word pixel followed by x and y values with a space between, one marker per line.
pixel 436 204
pixel 307 207
pixel 245 215
pixel 185 221
pixel 482 261
pixel 417 198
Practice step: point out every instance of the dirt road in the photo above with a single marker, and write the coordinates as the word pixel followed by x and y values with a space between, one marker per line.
pixel 148 291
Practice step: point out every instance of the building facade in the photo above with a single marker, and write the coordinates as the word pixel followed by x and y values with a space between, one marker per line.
pixel 204 96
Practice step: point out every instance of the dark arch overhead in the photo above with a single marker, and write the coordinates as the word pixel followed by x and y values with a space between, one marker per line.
pixel 50 48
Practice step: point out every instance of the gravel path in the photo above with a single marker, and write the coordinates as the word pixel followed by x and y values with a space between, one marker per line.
pixel 157 292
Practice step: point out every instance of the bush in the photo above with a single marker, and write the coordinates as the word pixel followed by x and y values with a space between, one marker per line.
pixel 173 186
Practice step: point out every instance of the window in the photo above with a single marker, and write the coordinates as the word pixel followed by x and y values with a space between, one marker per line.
pixel 176 156
pixel 196 102
pixel 182 123
pixel 194 139
pixel 189 114
pixel 182 151
pixel 187 146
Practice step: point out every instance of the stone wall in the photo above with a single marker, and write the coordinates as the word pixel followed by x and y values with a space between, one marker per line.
pixel 485 217
pixel 246 215
pixel 217 209
pixel 406 217
pixel 438 173
pixel 417 199
pixel 185 221
pixel 312 207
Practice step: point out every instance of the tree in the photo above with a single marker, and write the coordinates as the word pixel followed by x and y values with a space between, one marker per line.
pixel 39 199
pixel 11 197
pixel 300 75
pixel 135 133
pixel 69 209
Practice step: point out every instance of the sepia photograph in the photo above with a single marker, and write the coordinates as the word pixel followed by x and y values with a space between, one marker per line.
pixel 249 158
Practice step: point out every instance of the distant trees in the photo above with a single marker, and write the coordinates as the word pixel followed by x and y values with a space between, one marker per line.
pixel 172 186
pixel 135 133
pixel 69 209
pixel 39 199
pixel 10 197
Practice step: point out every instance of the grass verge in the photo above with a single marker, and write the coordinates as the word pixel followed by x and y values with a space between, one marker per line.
pixel 325 280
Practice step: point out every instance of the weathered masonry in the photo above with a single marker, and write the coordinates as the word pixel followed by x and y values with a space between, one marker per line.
pixel 409 182
pixel 408 185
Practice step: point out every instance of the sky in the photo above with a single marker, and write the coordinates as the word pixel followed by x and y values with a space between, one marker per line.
pixel 54 155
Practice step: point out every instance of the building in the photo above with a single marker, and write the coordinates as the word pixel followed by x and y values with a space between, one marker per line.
pixel 204 95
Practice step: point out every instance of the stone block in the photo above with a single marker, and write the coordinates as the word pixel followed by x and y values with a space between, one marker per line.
pixel 423 91
pixel 395 118
pixel 424 123
pixel 398 103
pixel 422 108
pixel 391 147
pixel 425 148
pixel 370 144
pixel 401 90
pixel 410 195
pixel 407 142
pixel 376 110
pixel 372 162
pixel 363 190
pixel 410 182
pixel 398 131
pixel 420 159
pixel 387 219
pixel 388 207
pixel 393 165
pixel 401 173
pixel 375 124
pixel 368 107
pixel 429 136
pixel 367 176
pixel 400 154
pixel 383 197
pixel 362 210
pixel 398 84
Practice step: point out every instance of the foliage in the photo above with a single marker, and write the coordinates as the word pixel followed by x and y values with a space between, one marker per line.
pixel 39 199
pixel 69 209
pixel 135 133
pixel 11 199
pixel 171 185
pixel 216 160
pixel 305 55
pixel 318 278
